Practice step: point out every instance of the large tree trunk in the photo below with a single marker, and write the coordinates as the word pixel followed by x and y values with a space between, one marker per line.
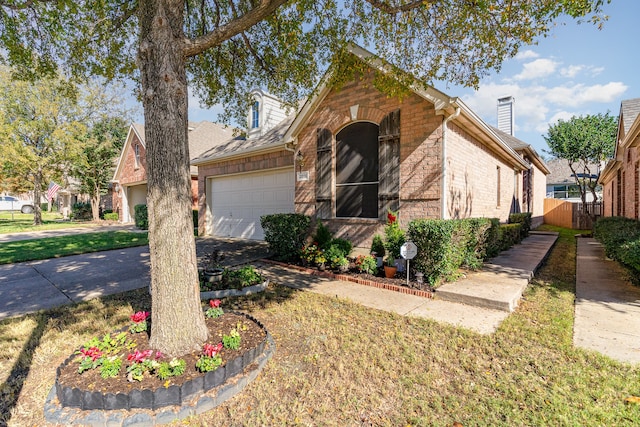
pixel 37 185
pixel 177 319
pixel 95 203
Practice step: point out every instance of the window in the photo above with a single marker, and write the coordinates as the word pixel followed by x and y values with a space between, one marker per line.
pixel 566 191
pixel 255 115
pixel 357 171
pixel 136 150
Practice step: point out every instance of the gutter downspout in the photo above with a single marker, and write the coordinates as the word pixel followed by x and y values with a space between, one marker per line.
pixel 443 195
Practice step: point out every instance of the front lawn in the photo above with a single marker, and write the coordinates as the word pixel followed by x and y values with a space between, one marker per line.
pixel 55 247
pixel 338 363
pixel 17 222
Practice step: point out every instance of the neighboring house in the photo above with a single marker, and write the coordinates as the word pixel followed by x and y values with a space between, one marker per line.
pixel 357 153
pixel 130 177
pixel 621 177
pixel 561 183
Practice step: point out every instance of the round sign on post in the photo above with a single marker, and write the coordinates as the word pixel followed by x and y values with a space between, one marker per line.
pixel 408 250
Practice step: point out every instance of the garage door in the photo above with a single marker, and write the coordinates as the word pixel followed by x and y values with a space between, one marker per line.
pixel 238 201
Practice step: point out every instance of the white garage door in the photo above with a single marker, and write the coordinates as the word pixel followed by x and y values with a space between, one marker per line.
pixel 238 201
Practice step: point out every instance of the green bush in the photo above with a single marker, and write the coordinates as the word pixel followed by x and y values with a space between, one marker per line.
pixel 492 243
pixel 111 216
pixel 141 217
pixel 524 219
pixel 81 211
pixel 621 240
pixel 343 245
pixel 477 239
pixel 434 241
pixel 44 207
pixel 377 246
pixel 323 236
pixel 194 213
pixel 510 234
pixel 286 234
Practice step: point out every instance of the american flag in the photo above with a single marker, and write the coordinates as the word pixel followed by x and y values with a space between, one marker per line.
pixel 52 190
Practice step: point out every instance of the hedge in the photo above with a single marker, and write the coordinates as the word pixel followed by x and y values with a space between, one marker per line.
pixel 621 240
pixel 524 219
pixel 285 233
pixel 141 217
pixel 81 211
pixel 111 216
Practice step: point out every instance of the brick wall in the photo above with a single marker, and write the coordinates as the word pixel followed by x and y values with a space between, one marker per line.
pixel 132 171
pixel 254 163
pixel 630 165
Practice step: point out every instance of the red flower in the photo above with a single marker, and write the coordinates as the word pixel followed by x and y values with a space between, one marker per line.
pixel 140 316
pixel 391 218
pixel 214 303
pixel 139 356
pixel 211 350
pixel 93 352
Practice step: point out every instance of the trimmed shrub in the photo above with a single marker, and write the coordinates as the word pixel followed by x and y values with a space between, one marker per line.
pixel 493 239
pixel 510 234
pixel 141 217
pixel 44 207
pixel 434 239
pixel 344 246
pixel 323 236
pixel 621 240
pixel 478 236
pixel 286 234
pixel 524 219
pixel 377 246
pixel 111 216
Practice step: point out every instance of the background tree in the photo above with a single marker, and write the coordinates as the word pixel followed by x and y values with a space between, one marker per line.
pixel 94 166
pixel 226 48
pixel 40 130
pixel 585 142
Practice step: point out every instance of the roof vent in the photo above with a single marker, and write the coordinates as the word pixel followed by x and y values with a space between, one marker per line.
pixel 506 114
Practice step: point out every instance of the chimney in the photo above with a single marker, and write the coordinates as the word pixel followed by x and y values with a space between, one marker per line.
pixel 506 114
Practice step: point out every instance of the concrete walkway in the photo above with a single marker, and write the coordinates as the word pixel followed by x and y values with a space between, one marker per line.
pixel 607 313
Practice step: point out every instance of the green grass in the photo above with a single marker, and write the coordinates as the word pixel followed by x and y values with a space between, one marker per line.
pixel 55 247
pixel 24 222
pixel 339 363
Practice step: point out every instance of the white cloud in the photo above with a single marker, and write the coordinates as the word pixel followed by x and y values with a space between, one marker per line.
pixel 537 69
pixel 560 115
pixel 526 54
pixel 571 71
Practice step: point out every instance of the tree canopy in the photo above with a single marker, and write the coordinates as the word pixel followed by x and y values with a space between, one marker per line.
pixel 585 142
pixel 226 48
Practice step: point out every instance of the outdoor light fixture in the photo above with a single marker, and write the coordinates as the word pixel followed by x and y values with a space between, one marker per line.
pixel 300 159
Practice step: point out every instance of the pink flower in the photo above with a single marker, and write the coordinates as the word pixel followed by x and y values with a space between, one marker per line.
pixel 214 303
pixel 93 352
pixel 211 350
pixel 139 356
pixel 140 316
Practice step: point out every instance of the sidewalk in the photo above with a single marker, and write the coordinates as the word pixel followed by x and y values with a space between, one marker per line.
pixel 607 313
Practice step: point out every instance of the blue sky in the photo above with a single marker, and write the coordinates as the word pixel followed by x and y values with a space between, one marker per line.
pixel 576 70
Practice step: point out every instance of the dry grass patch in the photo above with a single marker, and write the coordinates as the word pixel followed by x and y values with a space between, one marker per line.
pixel 338 363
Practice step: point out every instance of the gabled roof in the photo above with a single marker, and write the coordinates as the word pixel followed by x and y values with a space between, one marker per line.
pixel 629 111
pixel 561 173
pixel 522 147
pixel 241 146
pixel 628 131
pixel 443 103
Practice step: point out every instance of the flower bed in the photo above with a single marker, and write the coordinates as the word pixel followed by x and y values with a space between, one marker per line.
pixel 90 390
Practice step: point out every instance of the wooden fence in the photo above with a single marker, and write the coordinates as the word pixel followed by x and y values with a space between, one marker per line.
pixel 570 215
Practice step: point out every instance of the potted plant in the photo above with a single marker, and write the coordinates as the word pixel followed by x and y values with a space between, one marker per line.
pixel 377 249
pixel 341 263
pixel 213 269
pixel 394 239
pixel 390 268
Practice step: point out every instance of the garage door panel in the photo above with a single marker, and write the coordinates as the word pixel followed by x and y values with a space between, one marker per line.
pixel 238 202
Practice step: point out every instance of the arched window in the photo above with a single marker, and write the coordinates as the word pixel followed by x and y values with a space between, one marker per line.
pixel 255 115
pixel 357 171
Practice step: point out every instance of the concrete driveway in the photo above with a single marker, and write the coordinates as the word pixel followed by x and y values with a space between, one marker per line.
pixel 31 286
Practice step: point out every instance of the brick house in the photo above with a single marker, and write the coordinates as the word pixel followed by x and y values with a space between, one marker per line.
pixel 130 177
pixel 621 177
pixel 352 153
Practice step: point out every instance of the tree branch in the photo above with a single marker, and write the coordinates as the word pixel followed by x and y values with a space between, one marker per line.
pixel 233 28
pixel 392 10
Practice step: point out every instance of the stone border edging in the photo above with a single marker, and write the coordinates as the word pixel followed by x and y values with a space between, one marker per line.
pixel 224 293
pixel 346 277
pixel 54 412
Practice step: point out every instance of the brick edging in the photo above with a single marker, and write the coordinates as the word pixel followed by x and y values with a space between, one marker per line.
pixel 348 278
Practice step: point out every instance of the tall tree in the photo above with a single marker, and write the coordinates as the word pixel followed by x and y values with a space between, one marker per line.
pixel 95 164
pixel 41 132
pixel 585 142
pixel 228 47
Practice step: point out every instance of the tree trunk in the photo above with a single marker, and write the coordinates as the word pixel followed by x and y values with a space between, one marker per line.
pixel 177 319
pixel 95 203
pixel 37 186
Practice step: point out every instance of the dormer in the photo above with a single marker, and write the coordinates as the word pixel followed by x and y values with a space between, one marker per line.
pixel 265 112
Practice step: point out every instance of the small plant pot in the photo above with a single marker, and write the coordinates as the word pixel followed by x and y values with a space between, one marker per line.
pixel 214 275
pixel 390 271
